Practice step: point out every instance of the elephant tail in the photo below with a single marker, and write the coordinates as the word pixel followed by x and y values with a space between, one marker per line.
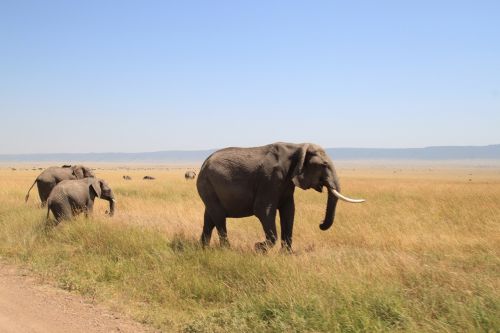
pixel 48 212
pixel 28 194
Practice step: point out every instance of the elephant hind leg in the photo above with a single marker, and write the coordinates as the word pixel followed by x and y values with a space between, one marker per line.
pixel 214 219
pixel 215 215
pixel 61 211
pixel 65 214
pixel 208 227
pixel 44 190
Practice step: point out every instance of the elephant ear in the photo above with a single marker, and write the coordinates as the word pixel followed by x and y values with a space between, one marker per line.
pixel 77 171
pixel 301 159
pixel 96 187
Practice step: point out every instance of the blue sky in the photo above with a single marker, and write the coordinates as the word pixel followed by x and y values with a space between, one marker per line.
pixel 100 76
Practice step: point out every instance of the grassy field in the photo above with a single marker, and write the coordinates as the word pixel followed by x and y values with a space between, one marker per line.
pixel 421 255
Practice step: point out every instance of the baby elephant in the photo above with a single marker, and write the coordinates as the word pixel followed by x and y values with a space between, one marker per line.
pixel 71 197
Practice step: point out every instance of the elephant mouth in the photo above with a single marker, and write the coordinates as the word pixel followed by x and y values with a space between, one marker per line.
pixel 301 182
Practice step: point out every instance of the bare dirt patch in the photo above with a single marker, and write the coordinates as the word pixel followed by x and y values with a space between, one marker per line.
pixel 26 306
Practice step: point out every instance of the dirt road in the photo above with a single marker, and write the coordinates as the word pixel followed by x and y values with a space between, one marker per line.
pixel 26 306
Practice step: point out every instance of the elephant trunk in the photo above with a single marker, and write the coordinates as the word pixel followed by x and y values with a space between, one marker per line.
pixel 331 206
pixel 112 207
pixel 331 183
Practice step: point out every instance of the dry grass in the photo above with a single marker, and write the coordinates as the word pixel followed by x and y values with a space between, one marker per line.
pixel 422 254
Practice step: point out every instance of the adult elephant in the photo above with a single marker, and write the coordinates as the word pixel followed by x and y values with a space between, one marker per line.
pixel 51 176
pixel 71 197
pixel 241 182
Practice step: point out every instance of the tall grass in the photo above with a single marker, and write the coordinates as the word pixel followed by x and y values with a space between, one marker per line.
pixel 422 254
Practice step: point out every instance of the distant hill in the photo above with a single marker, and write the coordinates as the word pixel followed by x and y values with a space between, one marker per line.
pixel 428 153
pixel 491 152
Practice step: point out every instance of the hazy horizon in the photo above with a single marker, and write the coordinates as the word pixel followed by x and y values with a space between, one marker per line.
pixel 474 154
pixel 129 77
pixel 215 148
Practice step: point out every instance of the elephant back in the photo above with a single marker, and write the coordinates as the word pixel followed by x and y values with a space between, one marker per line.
pixel 56 175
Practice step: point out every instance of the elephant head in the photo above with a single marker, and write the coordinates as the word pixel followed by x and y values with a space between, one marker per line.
pixel 102 190
pixel 81 171
pixel 314 169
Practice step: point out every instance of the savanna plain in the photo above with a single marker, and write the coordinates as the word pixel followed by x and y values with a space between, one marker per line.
pixel 421 255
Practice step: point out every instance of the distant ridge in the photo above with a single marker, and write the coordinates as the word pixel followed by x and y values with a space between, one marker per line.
pixel 491 152
pixel 428 153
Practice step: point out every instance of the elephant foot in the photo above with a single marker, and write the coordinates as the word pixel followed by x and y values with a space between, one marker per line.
pixel 224 243
pixel 50 223
pixel 263 247
pixel 204 242
pixel 286 249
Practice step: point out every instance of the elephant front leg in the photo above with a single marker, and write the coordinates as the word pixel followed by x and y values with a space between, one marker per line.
pixel 287 215
pixel 89 209
pixel 268 220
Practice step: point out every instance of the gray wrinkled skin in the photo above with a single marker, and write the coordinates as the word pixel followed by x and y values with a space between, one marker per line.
pixel 260 181
pixel 51 176
pixel 72 197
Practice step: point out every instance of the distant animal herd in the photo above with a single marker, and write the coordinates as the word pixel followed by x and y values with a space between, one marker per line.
pixel 232 182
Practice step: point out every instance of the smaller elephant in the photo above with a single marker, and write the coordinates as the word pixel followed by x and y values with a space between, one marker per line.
pixel 72 197
pixel 126 177
pixel 50 177
pixel 148 178
pixel 190 175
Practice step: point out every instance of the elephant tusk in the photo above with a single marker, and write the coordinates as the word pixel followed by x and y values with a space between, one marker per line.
pixel 340 196
pixel 113 200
